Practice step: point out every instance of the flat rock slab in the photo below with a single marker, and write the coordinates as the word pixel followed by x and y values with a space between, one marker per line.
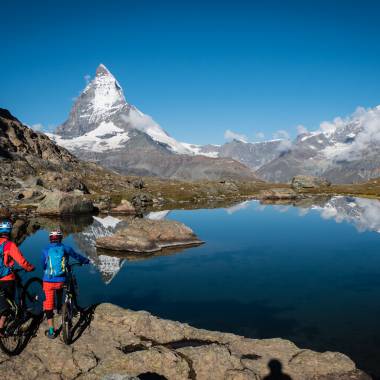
pixel 147 236
pixel 123 344
pixel 277 194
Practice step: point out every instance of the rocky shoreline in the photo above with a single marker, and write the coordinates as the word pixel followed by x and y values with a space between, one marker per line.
pixel 116 343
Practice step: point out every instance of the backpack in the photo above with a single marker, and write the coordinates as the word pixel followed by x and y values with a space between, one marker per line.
pixel 56 262
pixel 4 270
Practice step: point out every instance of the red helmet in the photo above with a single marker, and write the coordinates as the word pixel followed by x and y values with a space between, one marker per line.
pixel 55 235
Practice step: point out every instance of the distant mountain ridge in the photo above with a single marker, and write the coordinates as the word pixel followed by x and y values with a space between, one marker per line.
pixel 103 127
pixel 344 151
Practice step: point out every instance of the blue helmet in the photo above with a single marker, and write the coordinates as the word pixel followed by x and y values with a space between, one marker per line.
pixel 5 227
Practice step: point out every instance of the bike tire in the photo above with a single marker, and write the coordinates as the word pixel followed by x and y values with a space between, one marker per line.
pixel 67 322
pixel 32 296
pixel 11 344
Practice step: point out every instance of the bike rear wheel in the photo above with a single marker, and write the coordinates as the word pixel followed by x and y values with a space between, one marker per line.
pixel 12 340
pixel 67 321
pixel 32 296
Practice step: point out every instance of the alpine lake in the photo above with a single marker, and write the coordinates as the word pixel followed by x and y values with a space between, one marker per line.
pixel 310 274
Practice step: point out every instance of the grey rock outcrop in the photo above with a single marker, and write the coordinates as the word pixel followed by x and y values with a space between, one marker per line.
pixel 120 344
pixel 253 155
pixel 146 236
pixel 59 203
pixel 302 182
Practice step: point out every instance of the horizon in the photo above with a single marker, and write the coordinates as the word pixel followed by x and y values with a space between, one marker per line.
pixel 256 70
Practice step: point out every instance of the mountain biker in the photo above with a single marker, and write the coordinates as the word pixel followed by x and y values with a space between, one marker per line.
pixel 9 254
pixel 55 258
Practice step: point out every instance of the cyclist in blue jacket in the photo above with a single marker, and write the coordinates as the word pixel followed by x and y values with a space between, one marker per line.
pixel 55 258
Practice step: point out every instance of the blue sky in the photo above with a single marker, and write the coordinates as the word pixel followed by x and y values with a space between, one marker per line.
pixel 198 68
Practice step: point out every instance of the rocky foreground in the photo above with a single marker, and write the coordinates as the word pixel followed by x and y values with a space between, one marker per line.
pixel 124 344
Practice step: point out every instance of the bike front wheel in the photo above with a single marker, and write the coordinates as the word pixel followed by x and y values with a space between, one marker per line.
pixel 32 296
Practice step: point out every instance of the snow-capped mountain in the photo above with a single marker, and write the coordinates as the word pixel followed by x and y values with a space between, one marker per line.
pixel 101 117
pixel 344 151
pixel 103 127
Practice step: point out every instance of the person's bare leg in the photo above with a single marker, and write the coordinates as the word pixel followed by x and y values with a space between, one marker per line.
pixel 50 322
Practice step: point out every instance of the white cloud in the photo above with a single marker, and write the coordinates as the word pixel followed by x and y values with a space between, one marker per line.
pixel 286 143
pixel 139 120
pixel 364 213
pixel 37 127
pixel 260 136
pixel 42 128
pixel 329 127
pixel 230 135
pixel 238 207
pixel 284 146
pixel 301 129
pixel 366 126
pixel 281 134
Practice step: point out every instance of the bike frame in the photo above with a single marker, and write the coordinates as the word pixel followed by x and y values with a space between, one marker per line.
pixel 69 287
pixel 16 303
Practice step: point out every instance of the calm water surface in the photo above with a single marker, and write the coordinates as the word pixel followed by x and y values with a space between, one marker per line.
pixel 311 274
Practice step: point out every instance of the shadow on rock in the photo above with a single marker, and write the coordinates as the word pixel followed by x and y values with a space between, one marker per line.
pixel 85 317
pixel 151 376
pixel 30 328
pixel 276 373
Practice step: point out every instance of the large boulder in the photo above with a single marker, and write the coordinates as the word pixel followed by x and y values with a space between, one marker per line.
pixel 125 208
pixel 142 200
pixel 302 182
pixel 144 235
pixel 59 203
pixel 5 212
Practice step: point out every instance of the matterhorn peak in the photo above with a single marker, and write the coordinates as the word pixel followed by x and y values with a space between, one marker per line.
pixel 101 110
pixel 102 70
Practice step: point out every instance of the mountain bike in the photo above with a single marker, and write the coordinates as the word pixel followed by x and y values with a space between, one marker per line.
pixel 70 307
pixel 24 315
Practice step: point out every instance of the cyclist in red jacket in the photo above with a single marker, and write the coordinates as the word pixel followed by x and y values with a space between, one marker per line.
pixel 9 254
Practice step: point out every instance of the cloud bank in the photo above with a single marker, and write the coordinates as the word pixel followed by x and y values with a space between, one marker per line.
pixel 230 135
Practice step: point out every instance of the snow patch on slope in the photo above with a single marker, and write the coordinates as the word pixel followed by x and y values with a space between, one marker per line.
pixel 146 124
pixel 107 136
pixel 197 150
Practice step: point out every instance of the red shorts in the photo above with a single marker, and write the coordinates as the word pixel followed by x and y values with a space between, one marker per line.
pixel 50 289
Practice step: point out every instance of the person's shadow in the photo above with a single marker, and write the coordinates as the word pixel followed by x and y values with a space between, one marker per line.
pixel 33 324
pixel 276 373
pixel 85 318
